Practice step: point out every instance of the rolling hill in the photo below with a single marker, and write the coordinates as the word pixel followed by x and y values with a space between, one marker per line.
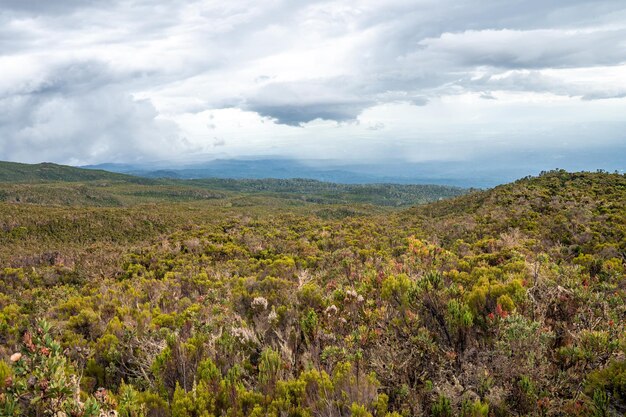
pixel 64 185
pixel 13 172
pixel 507 301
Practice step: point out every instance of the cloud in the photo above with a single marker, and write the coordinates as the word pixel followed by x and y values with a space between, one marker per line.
pixel 376 126
pixel 297 103
pixel 95 81
pixel 527 49
pixel 80 117
pixel 36 7
pixel 402 64
pixel 604 95
pixel 591 87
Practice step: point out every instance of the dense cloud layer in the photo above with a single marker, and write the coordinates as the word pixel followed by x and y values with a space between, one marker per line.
pixel 125 80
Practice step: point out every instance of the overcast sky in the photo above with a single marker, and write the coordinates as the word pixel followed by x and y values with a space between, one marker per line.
pixel 91 81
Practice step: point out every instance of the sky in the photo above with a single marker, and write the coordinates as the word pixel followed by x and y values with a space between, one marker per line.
pixel 94 81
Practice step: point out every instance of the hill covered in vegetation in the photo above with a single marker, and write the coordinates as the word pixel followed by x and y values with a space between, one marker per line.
pixel 509 301
pixel 13 172
pixel 51 184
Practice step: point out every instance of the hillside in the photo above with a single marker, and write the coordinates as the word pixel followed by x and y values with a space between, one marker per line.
pixel 327 192
pixel 579 213
pixel 508 301
pixel 50 184
pixel 12 172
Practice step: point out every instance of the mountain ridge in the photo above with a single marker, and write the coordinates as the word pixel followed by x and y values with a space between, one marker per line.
pixel 64 185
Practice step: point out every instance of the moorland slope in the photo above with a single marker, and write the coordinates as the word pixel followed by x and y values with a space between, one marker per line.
pixel 508 301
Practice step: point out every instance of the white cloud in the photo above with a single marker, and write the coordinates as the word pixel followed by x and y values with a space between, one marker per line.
pixel 62 119
pixel 542 48
pixel 120 80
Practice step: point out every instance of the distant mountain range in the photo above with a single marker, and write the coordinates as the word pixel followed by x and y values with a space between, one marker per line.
pixel 441 173
pixel 495 169
pixel 488 171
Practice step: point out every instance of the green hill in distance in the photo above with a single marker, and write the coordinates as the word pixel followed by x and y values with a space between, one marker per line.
pixel 13 172
pixel 64 185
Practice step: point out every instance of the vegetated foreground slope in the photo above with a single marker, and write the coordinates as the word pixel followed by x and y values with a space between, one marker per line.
pixel 508 301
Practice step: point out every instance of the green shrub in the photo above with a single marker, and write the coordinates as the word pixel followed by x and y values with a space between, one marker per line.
pixel 441 407
pixel 42 381
pixel 609 382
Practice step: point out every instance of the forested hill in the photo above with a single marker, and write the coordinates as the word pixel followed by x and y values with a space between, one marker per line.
pixel 13 172
pixel 579 212
pixel 324 192
pixel 63 185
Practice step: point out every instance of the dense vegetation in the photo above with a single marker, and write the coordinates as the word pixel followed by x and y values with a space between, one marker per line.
pixel 509 301
pixel 52 184
pixel 46 172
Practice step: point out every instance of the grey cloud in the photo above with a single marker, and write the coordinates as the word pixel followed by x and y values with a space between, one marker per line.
pixel 38 7
pixel 68 119
pixel 102 126
pixel 297 103
pixel 527 49
pixel 535 81
pixel 376 126
pixel 603 95
pixel 519 81
pixel 97 55
pixel 73 78
pixel 298 114
pixel 340 99
pixel 417 56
